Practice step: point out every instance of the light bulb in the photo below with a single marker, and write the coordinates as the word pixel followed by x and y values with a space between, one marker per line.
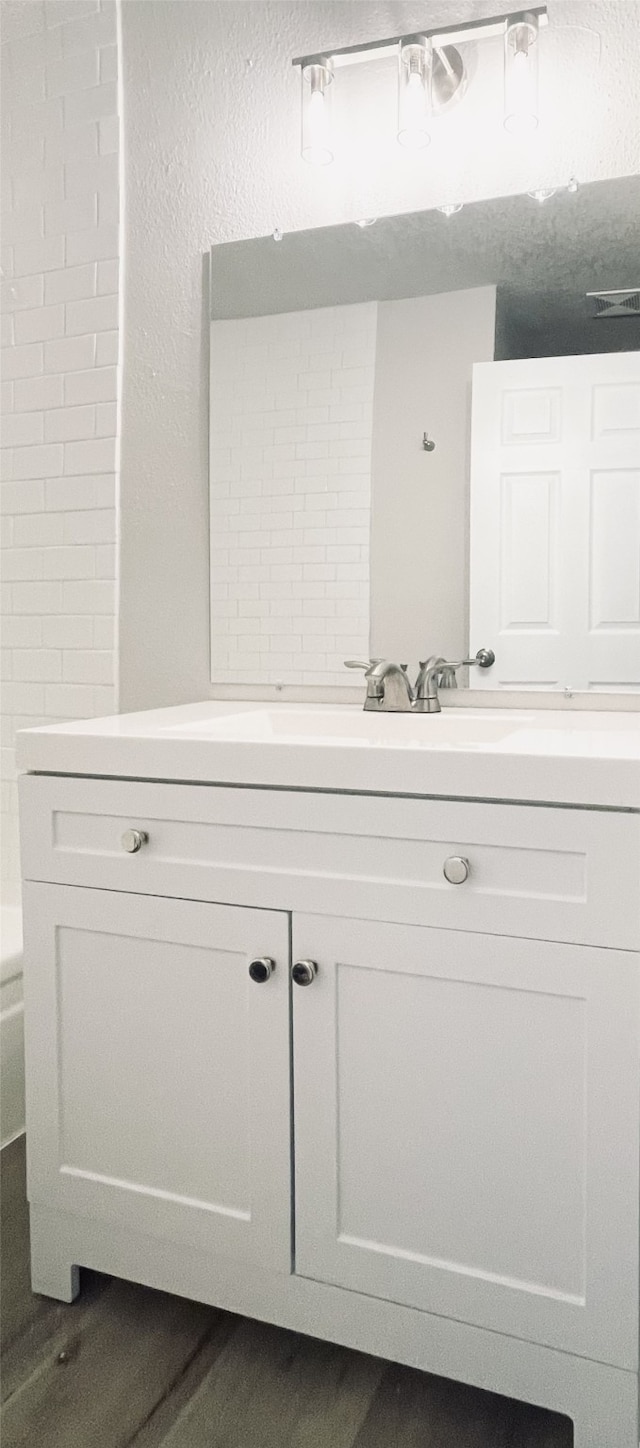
pixel 414 93
pixel 521 73
pixel 317 145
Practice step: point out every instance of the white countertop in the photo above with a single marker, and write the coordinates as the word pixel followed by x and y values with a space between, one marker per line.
pixel 578 758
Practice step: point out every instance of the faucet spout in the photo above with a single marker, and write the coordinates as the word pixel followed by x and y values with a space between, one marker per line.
pixel 393 691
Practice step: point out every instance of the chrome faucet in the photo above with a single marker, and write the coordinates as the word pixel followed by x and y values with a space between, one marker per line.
pixel 389 688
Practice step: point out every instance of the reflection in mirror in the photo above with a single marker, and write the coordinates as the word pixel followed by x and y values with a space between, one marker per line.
pixel 425 439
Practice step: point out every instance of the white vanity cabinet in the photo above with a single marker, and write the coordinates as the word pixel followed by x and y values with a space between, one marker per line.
pixel 428 1149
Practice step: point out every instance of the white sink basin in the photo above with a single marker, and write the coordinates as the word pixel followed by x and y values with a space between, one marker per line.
pixel 468 729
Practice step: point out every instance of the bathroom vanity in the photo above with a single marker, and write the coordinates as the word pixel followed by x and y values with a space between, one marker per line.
pixel 334 1020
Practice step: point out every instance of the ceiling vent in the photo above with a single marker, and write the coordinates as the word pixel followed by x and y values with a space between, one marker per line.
pixel 615 304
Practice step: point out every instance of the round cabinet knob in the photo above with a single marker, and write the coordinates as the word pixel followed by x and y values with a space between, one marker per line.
pixel 133 840
pixel 261 969
pixel 304 972
pixel 456 869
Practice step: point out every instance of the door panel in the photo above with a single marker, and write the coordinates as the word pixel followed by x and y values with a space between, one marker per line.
pixel 472 1149
pixel 555 522
pixel 159 1072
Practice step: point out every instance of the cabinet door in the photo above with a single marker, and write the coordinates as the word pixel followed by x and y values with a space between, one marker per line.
pixel 466 1128
pixel 158 1071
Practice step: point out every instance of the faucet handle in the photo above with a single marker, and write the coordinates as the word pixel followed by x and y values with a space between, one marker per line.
pixel 375 689
pixel 362 664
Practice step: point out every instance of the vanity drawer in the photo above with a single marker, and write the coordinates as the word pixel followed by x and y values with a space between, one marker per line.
pixel 548 873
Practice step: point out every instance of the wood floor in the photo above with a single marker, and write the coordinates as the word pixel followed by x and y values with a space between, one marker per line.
pixel 124 1365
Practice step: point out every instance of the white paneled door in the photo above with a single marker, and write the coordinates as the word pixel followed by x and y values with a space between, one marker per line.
pixel 462 1104
pixel 158 1069
pixel 555 522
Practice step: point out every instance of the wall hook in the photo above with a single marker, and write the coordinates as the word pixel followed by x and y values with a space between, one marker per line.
pixel 428 443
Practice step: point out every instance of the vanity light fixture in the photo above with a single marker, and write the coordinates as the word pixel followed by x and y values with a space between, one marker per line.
pixel 317 145
pixel 451 208
pixel 521 73
pixel 431 77
pixel 543 193
pixel 415 60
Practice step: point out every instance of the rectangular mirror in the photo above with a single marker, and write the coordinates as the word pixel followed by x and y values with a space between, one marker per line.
pixel 425 440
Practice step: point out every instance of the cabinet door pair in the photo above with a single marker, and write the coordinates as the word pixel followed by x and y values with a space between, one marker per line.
pixel 465 1131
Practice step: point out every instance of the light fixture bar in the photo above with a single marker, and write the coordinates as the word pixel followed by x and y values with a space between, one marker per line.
pixel 444 35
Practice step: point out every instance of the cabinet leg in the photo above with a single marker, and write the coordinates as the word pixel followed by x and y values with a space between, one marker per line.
pixel 52 1274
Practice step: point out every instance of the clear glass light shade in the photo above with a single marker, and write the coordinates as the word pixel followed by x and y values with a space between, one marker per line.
pixel 414 93
pixel 317 137
pixel 521 73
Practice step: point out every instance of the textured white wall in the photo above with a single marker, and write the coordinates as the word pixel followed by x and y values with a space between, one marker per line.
pixel 59 371
pixel 211 135
pixel 291 419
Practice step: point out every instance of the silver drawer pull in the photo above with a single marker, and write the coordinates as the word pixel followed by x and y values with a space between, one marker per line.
pixel 133 840
pixel 456 869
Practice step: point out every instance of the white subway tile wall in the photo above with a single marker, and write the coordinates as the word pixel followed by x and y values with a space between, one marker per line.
pixel 60 253
pixel 291 421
